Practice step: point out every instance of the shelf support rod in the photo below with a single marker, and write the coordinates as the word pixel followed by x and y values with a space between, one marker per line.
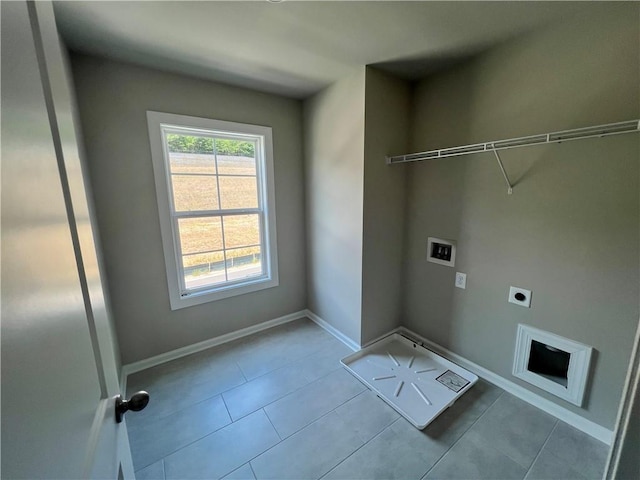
pixel 504 172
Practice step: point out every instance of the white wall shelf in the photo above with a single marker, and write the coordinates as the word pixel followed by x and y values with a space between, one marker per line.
pixel 605 130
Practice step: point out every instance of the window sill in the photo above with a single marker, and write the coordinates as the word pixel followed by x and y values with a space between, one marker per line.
pixel 206 296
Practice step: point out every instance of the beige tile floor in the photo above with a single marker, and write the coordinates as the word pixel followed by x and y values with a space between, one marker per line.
pixel 278 405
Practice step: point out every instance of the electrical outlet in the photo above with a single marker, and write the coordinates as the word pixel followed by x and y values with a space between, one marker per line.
pixel 520 296
pixel 461 280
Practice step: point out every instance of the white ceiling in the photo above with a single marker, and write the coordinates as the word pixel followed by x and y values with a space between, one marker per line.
pixel 295 48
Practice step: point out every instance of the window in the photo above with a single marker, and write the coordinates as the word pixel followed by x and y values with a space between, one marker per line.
pixel 214 185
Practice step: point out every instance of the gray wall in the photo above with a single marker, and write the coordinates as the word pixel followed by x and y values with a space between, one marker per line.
pixel 570 230
pixel 113 99
pixel 386 124
pixel 334 169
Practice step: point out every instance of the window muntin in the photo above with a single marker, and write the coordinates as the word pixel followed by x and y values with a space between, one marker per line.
pixel 213 184
pixel 219 188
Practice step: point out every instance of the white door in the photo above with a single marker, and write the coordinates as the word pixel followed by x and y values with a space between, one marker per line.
pixel 59 368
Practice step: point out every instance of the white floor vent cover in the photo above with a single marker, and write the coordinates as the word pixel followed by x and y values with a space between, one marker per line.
pixel 416 382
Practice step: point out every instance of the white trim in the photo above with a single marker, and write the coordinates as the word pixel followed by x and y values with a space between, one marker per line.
pixel 442 241
pixel 123 381
pixel 212 342
pixel 158 123
pixel 587 426
pixel 377 339
pixel 97 429
pixel 630 392
pixel 579 360
pixel 333 331
pixel 577 421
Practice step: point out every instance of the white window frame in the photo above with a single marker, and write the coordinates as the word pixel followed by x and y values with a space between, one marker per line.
pixel 179 297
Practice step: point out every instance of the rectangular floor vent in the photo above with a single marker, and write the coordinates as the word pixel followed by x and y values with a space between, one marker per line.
pixel 418 383
pixel 556 364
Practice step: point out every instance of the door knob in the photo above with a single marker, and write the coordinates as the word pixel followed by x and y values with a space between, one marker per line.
pixel 137 402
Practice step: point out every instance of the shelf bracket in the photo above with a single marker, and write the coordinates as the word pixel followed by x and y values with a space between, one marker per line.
pixel 504 172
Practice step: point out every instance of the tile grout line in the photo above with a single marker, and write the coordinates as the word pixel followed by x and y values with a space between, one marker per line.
pixel 281 439
pixel 232 360
pixel 541 448
pixel 198 402
pixel 235 362
pixel 323 415
pixel 252 470
pixel 307 425
pixel 197 439
pixel 290 362
pixel 517 461
pixel 272 426
pixel 294 362
pixel 175 412
pixel 582 475
pixel 265 451
pixel 380 432
pixel 462 436
pixel 400 418
pixel 227 408
pixel 317 419
pixel 272 402
pixel 309 382
pixel 232 421
pixel 362 446
pixel 222 392
pixel 248 461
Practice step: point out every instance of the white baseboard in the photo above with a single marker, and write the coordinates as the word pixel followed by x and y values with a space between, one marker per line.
pixel 197 347
pixel 333 331
pixel 377 339
pixel 587 426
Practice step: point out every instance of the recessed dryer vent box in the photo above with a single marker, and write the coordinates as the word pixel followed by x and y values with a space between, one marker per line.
pixel 553 363
pixel 441 251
